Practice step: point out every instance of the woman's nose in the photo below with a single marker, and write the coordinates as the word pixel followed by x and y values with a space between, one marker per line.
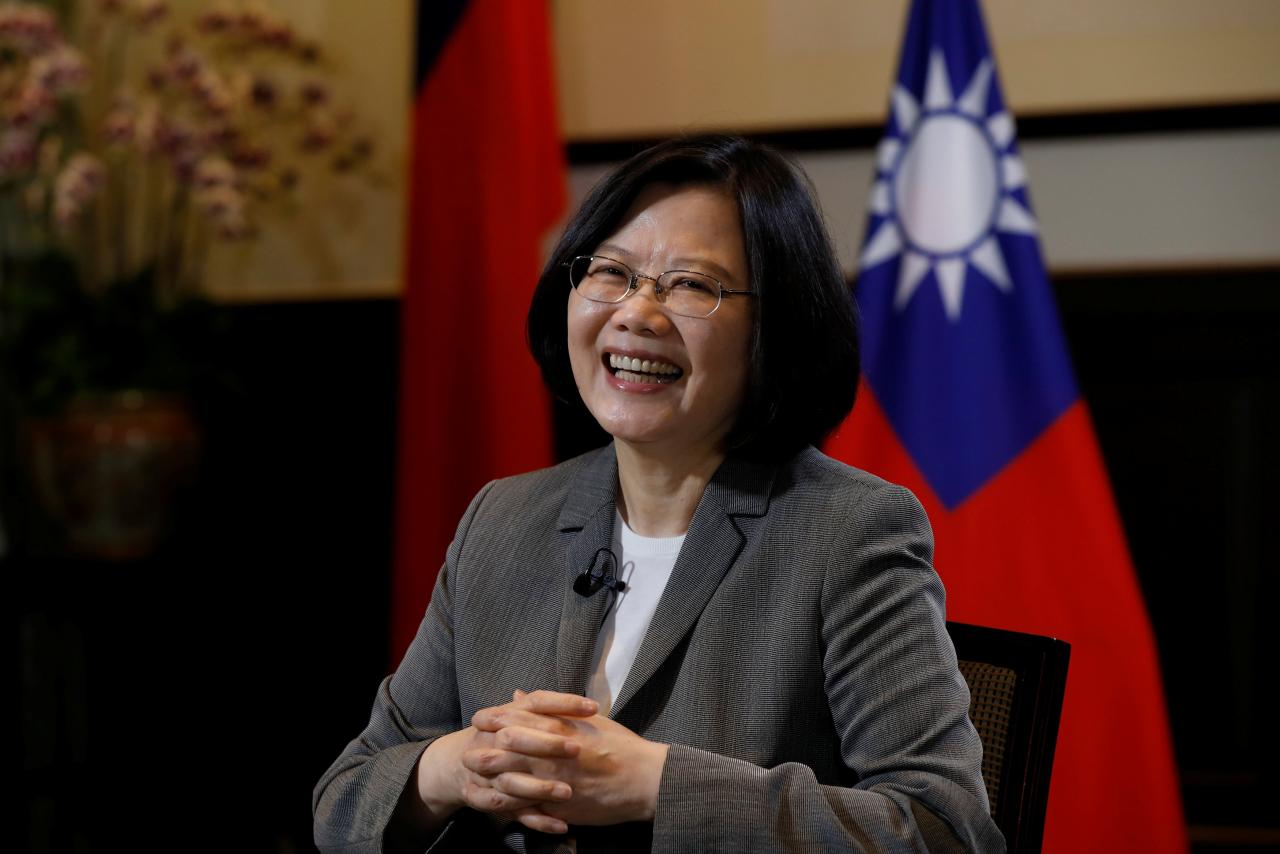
pixel 640 312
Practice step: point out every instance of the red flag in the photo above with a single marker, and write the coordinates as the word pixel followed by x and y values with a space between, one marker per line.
pixel 968 399
pixel 487 184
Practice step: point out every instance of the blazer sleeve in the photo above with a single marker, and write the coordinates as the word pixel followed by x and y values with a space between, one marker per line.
pixel 355 801
pixel 900 708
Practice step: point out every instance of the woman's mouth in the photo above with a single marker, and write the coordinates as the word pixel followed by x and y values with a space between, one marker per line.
pixel 644 371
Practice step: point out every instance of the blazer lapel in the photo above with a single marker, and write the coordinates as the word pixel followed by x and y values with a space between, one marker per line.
pixel 586 525
pixel 715 539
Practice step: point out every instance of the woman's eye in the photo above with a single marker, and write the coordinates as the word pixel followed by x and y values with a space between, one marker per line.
pixel 691 284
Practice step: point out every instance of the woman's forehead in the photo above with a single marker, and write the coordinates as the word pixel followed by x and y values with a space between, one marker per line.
pixel 680 223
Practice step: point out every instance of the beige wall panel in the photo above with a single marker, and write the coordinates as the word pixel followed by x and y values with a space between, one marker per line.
pixel 1144 202
pixel 345 239
pixel 632 68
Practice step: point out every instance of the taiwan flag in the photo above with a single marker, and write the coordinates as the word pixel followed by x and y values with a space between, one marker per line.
pixel 487 184
pixel 969 399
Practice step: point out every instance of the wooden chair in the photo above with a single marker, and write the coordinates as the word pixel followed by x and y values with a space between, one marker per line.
pixel 1016 682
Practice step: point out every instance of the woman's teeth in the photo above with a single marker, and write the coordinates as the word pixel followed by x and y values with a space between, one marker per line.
pixel 635 370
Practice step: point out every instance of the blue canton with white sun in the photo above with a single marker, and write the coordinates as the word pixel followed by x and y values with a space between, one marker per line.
pixel 961 341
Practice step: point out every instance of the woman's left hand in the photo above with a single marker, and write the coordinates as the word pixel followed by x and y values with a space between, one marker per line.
pixel 614 776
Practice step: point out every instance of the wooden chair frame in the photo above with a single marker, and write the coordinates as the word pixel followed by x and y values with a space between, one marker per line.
pixel 1040 667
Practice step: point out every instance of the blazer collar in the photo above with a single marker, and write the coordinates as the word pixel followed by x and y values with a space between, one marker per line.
pixel 593 487
pixel 737 494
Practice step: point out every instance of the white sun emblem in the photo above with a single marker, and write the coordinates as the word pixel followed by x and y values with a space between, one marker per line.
pixel 944 186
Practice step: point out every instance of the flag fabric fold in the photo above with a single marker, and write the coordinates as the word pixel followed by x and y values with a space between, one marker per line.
pixel 969 399
pixel 487 183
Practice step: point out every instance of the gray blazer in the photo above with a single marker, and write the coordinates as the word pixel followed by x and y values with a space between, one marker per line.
pixel 798 664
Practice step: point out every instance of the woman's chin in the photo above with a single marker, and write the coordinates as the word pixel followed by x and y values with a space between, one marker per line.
pixel 653 440
pixel 640 432
pixel 634 434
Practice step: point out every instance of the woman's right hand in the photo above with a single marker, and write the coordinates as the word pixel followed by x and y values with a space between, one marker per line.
pixel 445 784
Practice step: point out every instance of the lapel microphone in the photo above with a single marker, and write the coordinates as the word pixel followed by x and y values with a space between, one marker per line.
pixel 602 573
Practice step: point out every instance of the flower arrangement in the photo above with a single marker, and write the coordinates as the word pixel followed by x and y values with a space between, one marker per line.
pixel 125 151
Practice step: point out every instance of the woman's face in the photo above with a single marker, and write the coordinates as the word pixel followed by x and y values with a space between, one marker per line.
pixel 692 408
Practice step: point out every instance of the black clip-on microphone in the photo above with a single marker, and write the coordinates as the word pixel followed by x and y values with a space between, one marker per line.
pixel 589 581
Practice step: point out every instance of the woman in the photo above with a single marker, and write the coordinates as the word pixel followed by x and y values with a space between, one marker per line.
pixel 757 628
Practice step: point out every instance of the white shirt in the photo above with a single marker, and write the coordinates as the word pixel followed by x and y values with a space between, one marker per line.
pixel 645 564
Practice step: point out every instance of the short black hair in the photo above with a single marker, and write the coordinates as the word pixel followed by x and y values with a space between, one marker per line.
pixel 804 363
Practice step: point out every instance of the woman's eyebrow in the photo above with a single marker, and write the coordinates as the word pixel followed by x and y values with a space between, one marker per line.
pixel 615 249
pixel 686 262
pixel 697 264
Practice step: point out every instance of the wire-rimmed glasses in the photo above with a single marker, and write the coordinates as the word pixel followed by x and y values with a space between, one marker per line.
pixel 683 292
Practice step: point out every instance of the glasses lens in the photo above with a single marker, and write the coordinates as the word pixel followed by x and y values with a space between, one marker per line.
pixel 600 279
pixel 690 294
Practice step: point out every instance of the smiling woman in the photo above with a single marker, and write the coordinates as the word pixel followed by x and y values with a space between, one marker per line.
pixel 705 358
pixel 707 636
pixel 802 353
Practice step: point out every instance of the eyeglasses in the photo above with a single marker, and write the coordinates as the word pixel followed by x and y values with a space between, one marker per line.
pixel 683 292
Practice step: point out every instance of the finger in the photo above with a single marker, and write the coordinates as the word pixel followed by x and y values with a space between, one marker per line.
pixel 492 761
pixel 480 739
pixel 556 703
pixel 489 799
pixel 532 742
pixel 488 764
pixel 531 788
pixel 498 717
pixel 535 819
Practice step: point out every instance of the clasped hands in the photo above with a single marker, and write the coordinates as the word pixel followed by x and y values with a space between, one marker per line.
pixel 546 760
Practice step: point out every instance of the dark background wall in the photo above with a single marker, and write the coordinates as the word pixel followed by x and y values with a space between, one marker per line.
pixel 197 696
pixel 1182 373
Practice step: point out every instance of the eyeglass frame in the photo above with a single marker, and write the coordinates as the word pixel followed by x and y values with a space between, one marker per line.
pixel 659 292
